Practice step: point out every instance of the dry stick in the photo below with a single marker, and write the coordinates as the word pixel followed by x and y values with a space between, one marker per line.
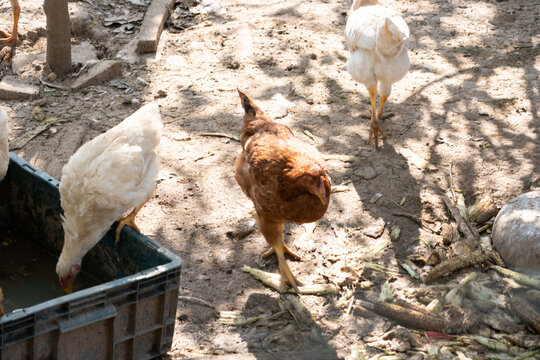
pixel 525 311
pixel 417 319
pixel 414 218
pixel 197 300
pixel 451 182
pixel 229 136
pixel 470 238
pixel 457 263
pixel 59 87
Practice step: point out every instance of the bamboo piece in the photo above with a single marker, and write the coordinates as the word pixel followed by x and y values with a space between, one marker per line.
pixel 519 277
pixel 455 295
pixel 493 344
pixel 274 281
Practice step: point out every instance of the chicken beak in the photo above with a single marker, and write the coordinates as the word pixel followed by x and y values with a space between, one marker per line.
pixel 321 192
pixel 68 289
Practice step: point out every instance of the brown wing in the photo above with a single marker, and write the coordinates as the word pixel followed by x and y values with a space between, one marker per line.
pixel 260 168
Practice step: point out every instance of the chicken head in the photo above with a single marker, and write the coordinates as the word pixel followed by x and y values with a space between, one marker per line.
pixel 67 276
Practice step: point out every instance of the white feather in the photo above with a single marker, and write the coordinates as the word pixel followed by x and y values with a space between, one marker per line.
pixel 104 179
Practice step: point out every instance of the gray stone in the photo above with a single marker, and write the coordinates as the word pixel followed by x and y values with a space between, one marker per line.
pixel 82 53
pixel 376 229
pixel 13 89
pixel 22 61
pixel 516 233
pixel 99 73
pixel 366 172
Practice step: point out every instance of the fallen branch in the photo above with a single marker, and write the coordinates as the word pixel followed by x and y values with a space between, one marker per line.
pixel 274 281
pixel 471 239
pixel 228 136
pixel 410 317
pixel 456 263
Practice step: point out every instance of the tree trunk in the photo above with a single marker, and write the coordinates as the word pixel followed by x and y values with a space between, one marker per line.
pixel 58 36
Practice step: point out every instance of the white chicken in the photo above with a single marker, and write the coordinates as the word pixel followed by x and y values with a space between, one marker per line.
pixel 108 176
pixel 378 40
pixel 4 148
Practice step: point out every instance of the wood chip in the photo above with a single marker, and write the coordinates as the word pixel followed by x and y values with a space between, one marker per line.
pixel 152 25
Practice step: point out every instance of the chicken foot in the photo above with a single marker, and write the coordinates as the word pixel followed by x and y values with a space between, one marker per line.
pixel 273 233
pixel 128 220
pixel 375 124
pixel 286 250
pixel 16 13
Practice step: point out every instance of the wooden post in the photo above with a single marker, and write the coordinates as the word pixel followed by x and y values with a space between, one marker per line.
pixel 58 36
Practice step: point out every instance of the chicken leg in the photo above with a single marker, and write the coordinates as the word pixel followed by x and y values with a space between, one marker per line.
pixel 375 125
pixel 16 13
pixel 273 233
pixel 128 220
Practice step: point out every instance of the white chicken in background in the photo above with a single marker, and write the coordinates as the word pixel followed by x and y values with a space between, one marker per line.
pixel 108 176
pixel 4 148
pixel 378 40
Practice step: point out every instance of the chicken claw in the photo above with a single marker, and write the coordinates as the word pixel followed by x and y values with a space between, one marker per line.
pixel 128 220
pixel 286 250
pixel 375 128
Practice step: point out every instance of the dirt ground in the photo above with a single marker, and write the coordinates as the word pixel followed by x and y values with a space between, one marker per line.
pixel 469 102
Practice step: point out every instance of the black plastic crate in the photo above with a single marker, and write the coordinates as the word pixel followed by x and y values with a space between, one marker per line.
pixel 129 316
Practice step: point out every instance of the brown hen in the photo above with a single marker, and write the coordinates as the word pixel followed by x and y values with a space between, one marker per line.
pixel 285 178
